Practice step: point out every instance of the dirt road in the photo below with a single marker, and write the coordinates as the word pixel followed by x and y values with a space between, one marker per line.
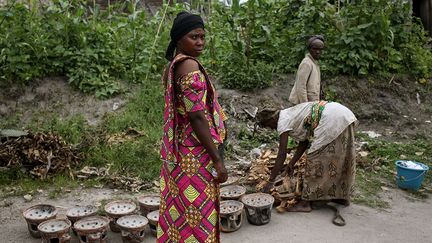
pixel 407 220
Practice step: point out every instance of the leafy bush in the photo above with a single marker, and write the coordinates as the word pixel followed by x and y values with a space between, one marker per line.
pixel 95 49
pixel 245 76
pixel 24 45
pixel 417 58
pixel 362 37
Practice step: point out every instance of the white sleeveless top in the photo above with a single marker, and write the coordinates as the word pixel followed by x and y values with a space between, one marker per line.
pixel 335 119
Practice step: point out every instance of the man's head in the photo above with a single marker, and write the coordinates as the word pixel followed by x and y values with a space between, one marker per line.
pixel 316 46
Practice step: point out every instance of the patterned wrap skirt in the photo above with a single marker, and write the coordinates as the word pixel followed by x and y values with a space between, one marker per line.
pixel 330 171
pixel 189 210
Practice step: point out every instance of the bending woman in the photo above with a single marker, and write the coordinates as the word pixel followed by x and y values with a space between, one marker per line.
pixel 325 131
pixel 194 128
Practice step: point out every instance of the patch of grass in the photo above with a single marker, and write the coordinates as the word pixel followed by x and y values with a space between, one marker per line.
pixel 141 156
pixel 72 130
pixel 15 183
pixel 369 187
pixel 382 170
pixel 11 122
pixel 418 150
pixel 93 182
pixel 61 184
pixel 101 208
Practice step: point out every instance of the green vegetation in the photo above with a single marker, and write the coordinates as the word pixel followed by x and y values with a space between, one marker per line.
pixel 98 49
pixel 260 37
pixel 369 185
pixel 94 48
pixel 14 182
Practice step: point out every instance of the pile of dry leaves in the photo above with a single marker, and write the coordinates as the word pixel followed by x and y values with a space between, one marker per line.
pixel 125 182
pixel 121 137
pixel 39 153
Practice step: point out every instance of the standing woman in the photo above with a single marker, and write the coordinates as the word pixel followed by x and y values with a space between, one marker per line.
pixel 307 86
pixel 193 130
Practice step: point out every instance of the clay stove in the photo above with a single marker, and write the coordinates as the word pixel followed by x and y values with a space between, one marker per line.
pixel 92 229
pixel 148 203
pixel 153 218
pixel 233 192
pixel 38 214
pixel 76 213
pixel 258 207
pixel 132 228
pixel 231 214
pixel 117 209
pixel 231 181
pixel 55 230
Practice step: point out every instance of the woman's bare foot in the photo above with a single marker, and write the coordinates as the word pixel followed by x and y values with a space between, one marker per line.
pixel 302 206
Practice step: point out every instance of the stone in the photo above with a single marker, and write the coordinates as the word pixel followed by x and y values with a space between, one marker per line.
pixel 28 197
pixel 255 153
pixel 372 134
pixel 244 164
pixel 363 153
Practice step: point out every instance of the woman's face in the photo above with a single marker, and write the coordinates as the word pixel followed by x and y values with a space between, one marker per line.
pixel 192 44
pixel 268 119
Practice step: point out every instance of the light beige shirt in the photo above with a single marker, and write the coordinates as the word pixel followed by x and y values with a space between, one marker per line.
pixel 308 79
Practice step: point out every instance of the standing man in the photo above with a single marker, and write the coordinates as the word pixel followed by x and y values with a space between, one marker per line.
pixel 307 86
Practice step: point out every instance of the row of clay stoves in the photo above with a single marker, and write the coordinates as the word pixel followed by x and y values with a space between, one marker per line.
pixel 91 228
pixel 235 200
pixel 122 217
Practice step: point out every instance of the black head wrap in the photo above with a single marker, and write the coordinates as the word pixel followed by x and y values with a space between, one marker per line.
pixel 313 38
pixel 183 24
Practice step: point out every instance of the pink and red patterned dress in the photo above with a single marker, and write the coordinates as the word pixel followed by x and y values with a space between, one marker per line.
pixel 189 210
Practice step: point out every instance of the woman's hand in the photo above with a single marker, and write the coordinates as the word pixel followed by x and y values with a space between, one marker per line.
pixel 222 174
pixel 268 187
pixel 290 169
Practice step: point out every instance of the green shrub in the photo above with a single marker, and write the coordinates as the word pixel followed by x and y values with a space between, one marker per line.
pixel 417 58
pixel 99 49
pixel 243 76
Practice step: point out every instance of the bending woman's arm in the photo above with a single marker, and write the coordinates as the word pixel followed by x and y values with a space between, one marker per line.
pixel 282 153
pixel 301 148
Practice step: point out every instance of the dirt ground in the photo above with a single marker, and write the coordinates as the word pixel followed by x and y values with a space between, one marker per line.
pixel 406 220
pixel 400 109
pixel 45 97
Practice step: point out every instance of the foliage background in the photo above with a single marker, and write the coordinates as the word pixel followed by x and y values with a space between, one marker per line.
pixel 98 49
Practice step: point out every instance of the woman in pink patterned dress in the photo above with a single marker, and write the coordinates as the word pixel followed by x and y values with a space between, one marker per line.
pixel 194 129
